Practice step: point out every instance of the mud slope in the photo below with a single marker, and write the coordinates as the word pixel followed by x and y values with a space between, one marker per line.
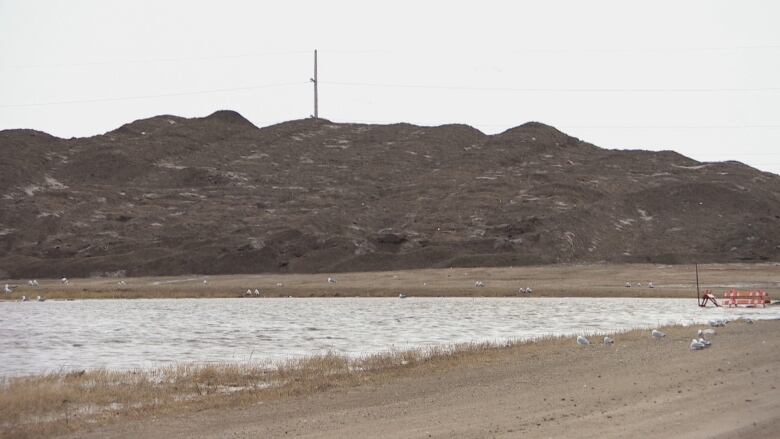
pixel 169 195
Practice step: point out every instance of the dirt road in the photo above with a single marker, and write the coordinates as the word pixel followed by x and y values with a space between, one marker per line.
pixel 639 387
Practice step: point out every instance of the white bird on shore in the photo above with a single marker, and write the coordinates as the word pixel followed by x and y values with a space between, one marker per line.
pixel 479 284
pixel 708 331
pixel 608 341
pixel 657 334
pixel 40 299
pixel 24 299
pixel 718 322
pixel 696 345
pixel 628 284
pixel 30 283
pixel 279 284
pixel 582 341
pixel 402 296
pixel 257 292
pixel 205 282
pixel 248 293
pixel 65 280
pixel 331 280
pixel 706 343
pixel 650 285
pixel 8 289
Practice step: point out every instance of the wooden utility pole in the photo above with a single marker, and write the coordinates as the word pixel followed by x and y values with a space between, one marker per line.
pixel 698 296
pixel 314 80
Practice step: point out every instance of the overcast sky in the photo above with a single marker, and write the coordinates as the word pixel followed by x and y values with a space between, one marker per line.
pixel 698 77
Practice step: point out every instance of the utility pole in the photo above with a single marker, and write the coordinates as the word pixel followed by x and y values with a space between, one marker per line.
pixel 314 80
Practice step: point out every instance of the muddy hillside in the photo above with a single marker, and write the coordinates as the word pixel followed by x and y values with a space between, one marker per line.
pixel 169 195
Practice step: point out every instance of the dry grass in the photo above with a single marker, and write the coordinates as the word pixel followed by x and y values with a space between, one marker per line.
pixel 64 402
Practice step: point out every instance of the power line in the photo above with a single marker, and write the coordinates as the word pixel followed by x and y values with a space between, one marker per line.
pixel 548 90
pixel 695 127
pixel 657 49
pixel 512 124
pixel 128 98
pixel 154 60
pixel 389 52
pixel 184 58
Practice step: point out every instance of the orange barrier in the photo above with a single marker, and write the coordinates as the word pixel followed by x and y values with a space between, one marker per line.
pixel 708 297
pixel 746 298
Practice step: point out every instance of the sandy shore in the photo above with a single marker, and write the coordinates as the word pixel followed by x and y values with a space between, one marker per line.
pixel 551 281
pixel 639 387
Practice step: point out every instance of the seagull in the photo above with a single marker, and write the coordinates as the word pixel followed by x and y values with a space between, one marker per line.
pixel 706 343
pixel 331 280
pixel 205 282
pixel 402 296
pixel 64 280
pixel 717 322
pixel 628 284
pixel 650 285
pixel 608 341
pixel 582 341
pixel 708 331
pixel 24 299
pixel 657 334
pixel 279 284
pixel 696 345
pixel 479 284
pixel 257 292
pixel 8 289
pixel 41 299
pixel 35 282
pixel 248 293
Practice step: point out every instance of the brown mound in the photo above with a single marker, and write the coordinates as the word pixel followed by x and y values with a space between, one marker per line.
pixel 169 195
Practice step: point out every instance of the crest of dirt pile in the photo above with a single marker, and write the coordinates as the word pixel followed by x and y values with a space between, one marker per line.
pixel 169 195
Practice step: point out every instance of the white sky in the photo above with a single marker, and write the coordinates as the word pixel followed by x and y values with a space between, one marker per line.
pixel 698 77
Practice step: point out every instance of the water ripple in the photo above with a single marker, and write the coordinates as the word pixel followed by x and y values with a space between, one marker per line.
pixel 126 334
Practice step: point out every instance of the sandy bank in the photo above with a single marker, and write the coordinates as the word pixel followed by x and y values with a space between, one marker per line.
pixel 546 281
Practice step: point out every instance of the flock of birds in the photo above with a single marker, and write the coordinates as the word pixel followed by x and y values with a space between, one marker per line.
pixel 639 284
pixel 526 290
pixel 33 283
pixel 332 280
pixel 8 289
pixel 700 342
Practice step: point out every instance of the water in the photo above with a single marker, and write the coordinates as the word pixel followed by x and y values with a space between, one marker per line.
pixel 40 337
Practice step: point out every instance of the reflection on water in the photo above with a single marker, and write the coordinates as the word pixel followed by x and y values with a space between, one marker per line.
pixel 123 334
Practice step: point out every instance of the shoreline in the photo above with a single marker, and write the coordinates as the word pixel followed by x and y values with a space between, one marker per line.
pixel 594 280
pixel 184 390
